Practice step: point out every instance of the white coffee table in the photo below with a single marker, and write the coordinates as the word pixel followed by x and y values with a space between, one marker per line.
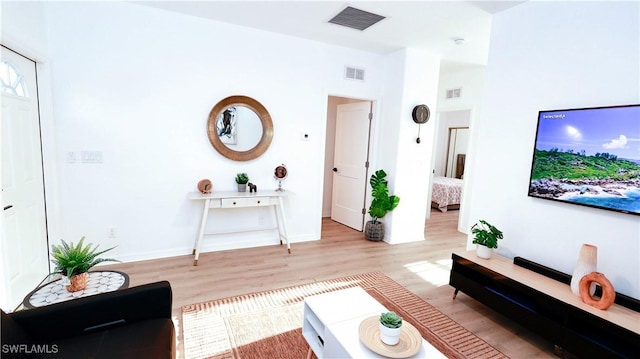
pixel 331 322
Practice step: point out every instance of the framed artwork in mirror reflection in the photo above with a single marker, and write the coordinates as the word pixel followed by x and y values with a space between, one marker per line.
pixel 226 126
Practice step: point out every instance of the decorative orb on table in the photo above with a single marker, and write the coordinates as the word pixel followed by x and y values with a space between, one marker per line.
pixel 205 186
pixel 280 174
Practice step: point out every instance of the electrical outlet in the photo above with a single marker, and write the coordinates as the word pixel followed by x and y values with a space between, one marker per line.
pixel 111 232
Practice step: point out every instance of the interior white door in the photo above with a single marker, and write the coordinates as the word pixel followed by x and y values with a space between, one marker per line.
pixel 24 244
pixel 349 164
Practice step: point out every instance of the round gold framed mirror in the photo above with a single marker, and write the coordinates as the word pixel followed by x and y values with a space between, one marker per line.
pixel 240 128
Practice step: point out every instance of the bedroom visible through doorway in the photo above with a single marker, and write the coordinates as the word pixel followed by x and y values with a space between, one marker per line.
pixel 450 161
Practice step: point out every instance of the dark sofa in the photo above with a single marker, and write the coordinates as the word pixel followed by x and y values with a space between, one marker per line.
pixel 129 323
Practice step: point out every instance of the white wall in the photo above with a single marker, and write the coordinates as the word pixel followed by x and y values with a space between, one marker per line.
pixel 471 79
pixel 548 55
pixel 408 163
pixel 137 85
pixel 24 28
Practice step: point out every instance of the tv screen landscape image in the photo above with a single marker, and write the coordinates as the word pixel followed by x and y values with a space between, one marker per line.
pixel 589 156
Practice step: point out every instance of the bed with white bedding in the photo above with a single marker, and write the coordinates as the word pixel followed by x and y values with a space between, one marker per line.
pixel 446 193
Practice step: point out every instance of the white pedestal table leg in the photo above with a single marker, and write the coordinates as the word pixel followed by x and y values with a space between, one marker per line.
pixel 203 222
pixel 282 231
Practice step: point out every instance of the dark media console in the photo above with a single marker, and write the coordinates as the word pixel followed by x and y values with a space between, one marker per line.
pixel 540 299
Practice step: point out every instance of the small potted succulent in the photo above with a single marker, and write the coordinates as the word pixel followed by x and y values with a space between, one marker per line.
pixel 241 180
pixel 74 262
pixel 485 236
pixel 390 328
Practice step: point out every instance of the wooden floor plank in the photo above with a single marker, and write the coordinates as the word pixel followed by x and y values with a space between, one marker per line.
pixel 422 267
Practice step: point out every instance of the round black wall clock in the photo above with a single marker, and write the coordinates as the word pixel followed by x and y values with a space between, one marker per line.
pixel 421 114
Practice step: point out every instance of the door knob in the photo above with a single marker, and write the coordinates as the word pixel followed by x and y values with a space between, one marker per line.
pixel 7 207
pixel 335 169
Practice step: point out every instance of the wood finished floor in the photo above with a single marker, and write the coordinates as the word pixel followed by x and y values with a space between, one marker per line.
pixel 422 267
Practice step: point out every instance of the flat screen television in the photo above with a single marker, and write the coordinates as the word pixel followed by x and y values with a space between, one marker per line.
pixel 589 157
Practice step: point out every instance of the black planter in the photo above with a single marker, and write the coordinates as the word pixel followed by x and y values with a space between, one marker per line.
pixel 374 231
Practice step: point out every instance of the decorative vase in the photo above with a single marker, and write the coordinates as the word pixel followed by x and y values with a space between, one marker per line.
pixel 242 187
pixel 483 251
pixel 389 336
pixel 374 231
pixel 587 262
pixel 608 292
pixel 205 186
pixel 78 282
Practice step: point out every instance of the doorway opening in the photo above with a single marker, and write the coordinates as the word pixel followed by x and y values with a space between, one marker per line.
pixel 452 140
pixel 346 160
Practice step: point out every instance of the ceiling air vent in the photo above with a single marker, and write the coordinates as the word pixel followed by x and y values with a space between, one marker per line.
pixel 454 93
pixel 353 73
pixel 355 18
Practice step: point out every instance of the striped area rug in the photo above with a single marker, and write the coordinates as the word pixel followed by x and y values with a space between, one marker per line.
pixel 268 324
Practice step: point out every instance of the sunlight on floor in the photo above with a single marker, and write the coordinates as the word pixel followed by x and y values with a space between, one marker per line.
pixel 210 327
pixel 435 273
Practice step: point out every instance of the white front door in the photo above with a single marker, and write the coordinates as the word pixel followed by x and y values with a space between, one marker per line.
pixel 349 165
pixel 24 246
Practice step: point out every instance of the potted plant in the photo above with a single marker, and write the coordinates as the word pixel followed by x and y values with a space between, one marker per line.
pixel 390 328
pixel 381 203
pixel 74 262
pixel 241 180
pixel 485 236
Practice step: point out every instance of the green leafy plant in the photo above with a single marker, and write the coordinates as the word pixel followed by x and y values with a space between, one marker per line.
pixel 486 234
pixel 70 259
pixel 382 202
pixel 391 320
pixel 242 178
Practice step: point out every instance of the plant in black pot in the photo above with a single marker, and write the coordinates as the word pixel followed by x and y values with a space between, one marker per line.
pixel 381 203
pixel 485 236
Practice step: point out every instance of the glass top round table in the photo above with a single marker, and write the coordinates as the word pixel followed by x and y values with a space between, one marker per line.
pixel 55 292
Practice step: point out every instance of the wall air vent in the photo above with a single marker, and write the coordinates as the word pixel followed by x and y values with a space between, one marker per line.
pixel 353 73
pixel 454 93
pixel 355 18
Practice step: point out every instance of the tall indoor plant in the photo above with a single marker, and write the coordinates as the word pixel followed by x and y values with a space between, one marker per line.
pixel 381 203
pixel 74 262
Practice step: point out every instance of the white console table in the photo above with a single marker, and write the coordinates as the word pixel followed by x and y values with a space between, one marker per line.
pixel 228 200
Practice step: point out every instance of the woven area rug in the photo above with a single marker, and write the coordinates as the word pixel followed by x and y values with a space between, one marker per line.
pixel 268 324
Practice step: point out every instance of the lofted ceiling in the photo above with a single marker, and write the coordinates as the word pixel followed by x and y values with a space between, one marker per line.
pixel 432 25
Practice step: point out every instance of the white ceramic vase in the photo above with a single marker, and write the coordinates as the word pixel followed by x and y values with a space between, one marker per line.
pixel 389 336
pixel 483 251
pixel 587 262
